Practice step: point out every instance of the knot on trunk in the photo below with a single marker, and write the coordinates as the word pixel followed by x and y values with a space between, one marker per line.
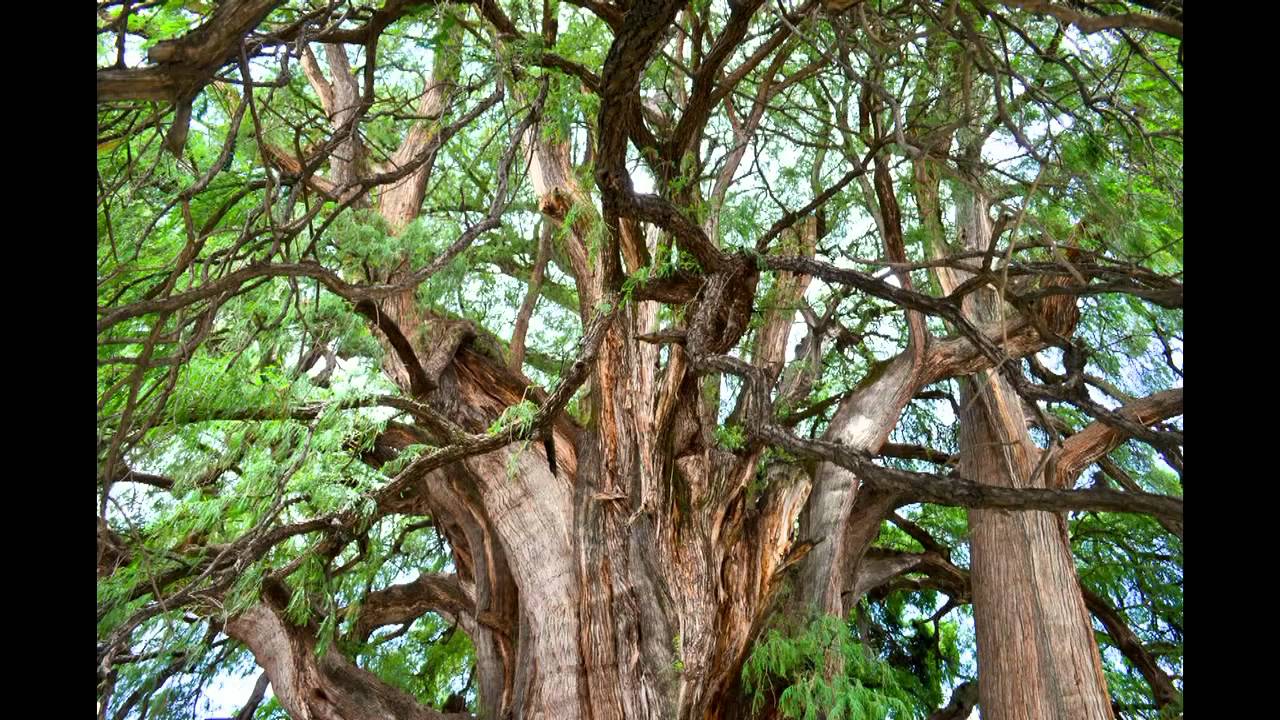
pixel 1059 313
pixel 555 204
pixel 722 308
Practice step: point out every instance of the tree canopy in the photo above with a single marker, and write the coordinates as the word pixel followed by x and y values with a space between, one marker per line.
pixel 627 358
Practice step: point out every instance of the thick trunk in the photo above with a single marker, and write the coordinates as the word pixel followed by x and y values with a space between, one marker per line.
pixel 1037 657
pixel 630 581
pixel 628 577
pixel 1036 654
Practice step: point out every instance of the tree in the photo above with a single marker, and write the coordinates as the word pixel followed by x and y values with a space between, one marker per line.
pixel 640 359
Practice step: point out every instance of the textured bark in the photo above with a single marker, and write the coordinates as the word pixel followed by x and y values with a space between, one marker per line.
pixel 340 98
pixel 1099 438
pixel 561 197
pixel 618 560
pixel 485 601
pixel 1036 653
pixel 963 698
pixel 863 423
pixel 1037 657
pixel 409 601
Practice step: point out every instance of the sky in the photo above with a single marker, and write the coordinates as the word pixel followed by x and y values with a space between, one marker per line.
pixel 226 694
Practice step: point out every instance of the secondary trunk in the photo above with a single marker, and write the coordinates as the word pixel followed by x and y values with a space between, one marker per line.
pixel 1037 657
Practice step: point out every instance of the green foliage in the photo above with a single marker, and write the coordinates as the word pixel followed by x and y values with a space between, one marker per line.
pixel 169 21
pixel 579 216
pixel 926 655
pixel 363 240
pixel 759 481
pixel 677 645
pixel 731 437
pixel 792 667
pixel 424 661
pixel 635 280
pixel 516 419
pixel 404 459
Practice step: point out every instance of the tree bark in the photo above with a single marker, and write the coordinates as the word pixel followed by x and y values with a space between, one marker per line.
pixel 1037 657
